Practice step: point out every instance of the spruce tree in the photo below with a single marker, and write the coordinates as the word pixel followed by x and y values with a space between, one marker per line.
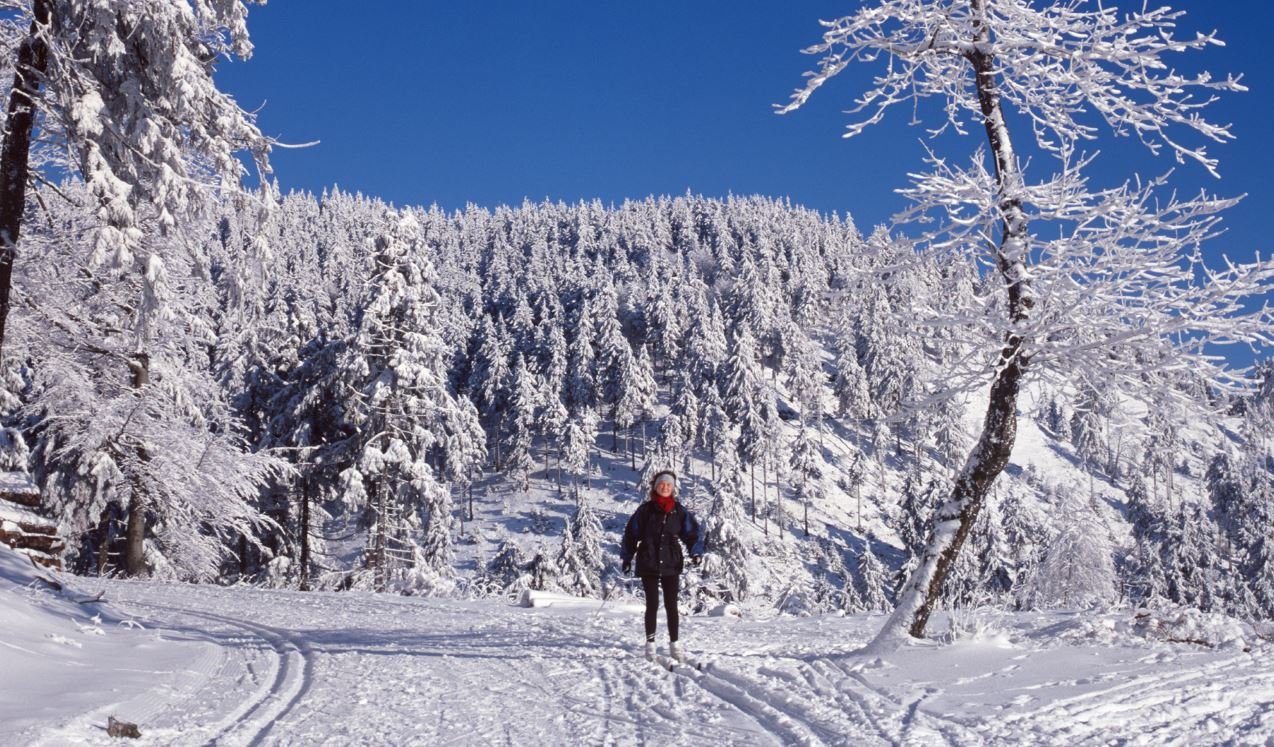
pixel 580 563
pixel 728 551
pixel 872 580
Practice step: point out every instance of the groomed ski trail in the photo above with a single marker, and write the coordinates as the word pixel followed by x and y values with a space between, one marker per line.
pixel 281 667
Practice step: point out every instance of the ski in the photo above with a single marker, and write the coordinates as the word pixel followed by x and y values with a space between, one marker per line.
pixel 672 665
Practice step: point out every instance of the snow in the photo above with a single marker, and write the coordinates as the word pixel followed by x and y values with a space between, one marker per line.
pixel 193 664
pixel 11 515
pixel 17 483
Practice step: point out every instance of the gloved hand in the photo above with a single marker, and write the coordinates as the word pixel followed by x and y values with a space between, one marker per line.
pixel 695 560
pixel 627 566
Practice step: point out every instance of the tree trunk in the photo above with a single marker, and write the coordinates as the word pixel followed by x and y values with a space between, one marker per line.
pixel 15 155
pixel 305 534
pixel 858 494
pixel 752 475
pixel 999 430
pixel 380 529
pixel 765 495
pixel 134 545
pixel 135 538
pixel 104 542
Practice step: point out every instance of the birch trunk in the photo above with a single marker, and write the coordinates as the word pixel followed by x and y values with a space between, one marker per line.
pixel 990 455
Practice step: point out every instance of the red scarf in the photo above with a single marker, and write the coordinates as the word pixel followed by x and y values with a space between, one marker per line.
pixel 664 504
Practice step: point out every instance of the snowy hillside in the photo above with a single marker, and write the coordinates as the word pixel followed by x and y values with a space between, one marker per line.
pixel 191 664
pixel 466 404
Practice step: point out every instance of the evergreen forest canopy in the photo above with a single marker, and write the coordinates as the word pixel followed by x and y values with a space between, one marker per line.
pixel 335 393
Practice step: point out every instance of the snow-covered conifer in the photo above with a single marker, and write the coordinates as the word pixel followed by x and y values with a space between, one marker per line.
pixel 524 405
pixel 577 444
pixel 124 96
pixel 638 396
pixel 580 563
pixel 726 562
pixel 543 572
pixel 807 469
pixel 873 581
pixel 706 350
pixel 506 572
pixel 400 393
pixel 579 388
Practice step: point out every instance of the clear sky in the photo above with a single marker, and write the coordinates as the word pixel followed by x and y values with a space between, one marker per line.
pixel 423 102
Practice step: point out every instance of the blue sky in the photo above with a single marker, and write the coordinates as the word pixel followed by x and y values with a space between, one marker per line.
pixel 492 102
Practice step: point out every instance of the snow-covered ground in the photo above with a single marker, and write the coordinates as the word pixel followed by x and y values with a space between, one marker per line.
pixel 197 664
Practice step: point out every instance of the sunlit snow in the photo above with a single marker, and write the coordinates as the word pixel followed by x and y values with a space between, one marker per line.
pixel 199 664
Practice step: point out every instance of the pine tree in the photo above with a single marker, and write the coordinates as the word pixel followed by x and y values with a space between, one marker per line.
pixel 580 562
pixel 432 571
pixel 637 398
pixel 124 96
pixel 580 385
pixel 523 407
pixel 1147 582
pixel 706 350
pixel 744 403
pixel 397 365
pixel 490 382
pixel 872 580
pixel 577 445
pixel 506 574
pixel 726 561
pixel 543 572
pixel 1188 551
pixel 807 469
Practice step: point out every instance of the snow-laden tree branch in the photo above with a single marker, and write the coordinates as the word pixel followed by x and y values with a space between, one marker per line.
pixel 1068 67
pixel 122 95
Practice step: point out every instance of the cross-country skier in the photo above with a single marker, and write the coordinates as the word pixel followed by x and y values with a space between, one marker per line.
pixel 654 535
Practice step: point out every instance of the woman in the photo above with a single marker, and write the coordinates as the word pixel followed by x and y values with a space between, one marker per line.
pixel 654 535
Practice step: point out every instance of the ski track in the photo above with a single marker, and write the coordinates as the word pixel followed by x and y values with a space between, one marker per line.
pixel 291 677
pixel 347 668
pixel 1221 692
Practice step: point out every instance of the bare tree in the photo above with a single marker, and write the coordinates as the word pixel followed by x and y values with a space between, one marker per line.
pixel 1119 292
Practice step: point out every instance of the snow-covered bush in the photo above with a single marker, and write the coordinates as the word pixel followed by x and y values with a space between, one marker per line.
pixel 977 622
pixel 1079 568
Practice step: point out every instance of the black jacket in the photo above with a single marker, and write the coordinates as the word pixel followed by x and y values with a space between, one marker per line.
pixel 655 538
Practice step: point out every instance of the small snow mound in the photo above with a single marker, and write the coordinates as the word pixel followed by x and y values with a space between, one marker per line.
pixel 1189 625
pixel 533 598
pixel 725 610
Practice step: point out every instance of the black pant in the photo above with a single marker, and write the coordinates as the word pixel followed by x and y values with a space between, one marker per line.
pixel 671 586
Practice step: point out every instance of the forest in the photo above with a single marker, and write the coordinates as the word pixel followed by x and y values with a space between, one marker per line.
pixel 336 393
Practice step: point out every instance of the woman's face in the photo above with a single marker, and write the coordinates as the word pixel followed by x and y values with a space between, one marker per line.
pixel 663 488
